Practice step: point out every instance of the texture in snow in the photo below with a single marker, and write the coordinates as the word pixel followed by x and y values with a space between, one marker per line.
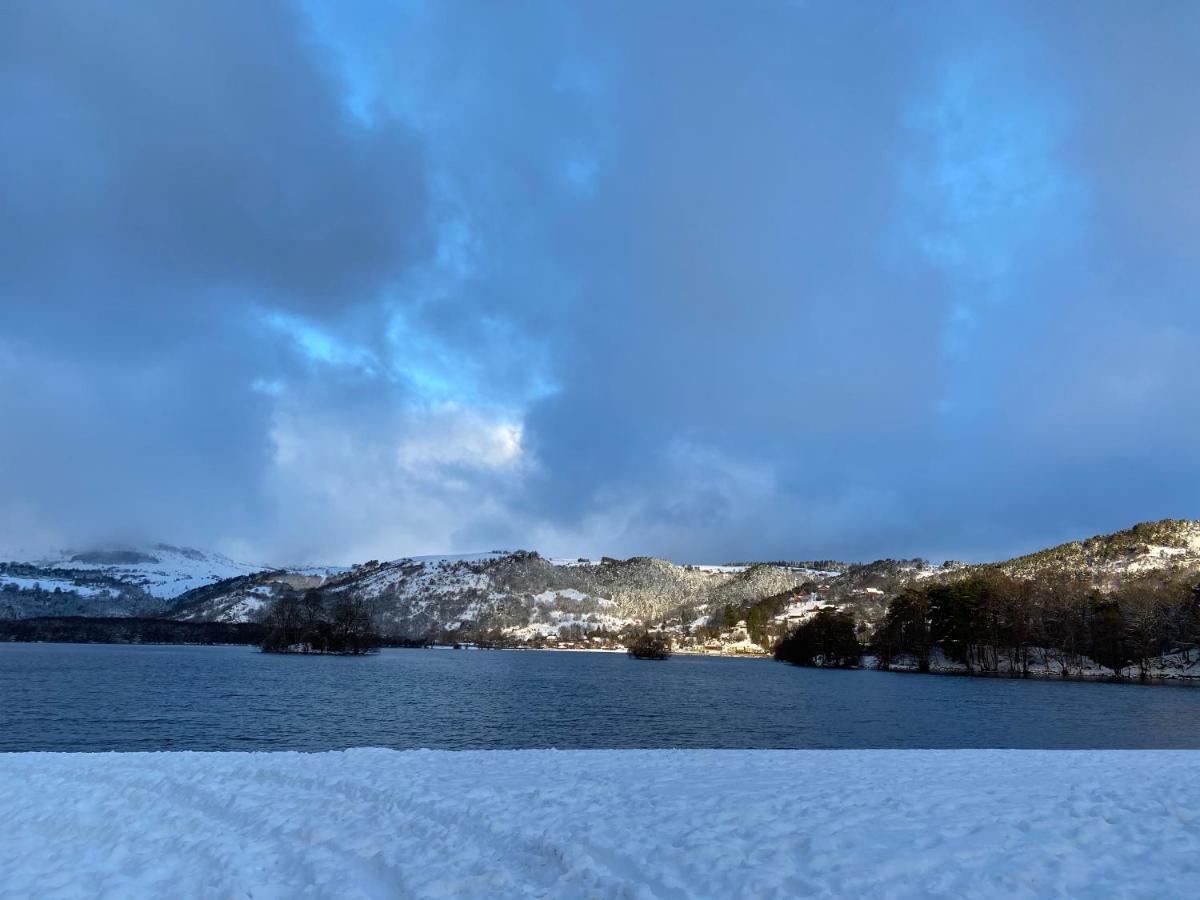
pixel 633 823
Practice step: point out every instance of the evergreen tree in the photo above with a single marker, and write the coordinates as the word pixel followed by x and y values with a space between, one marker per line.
pixel 829 639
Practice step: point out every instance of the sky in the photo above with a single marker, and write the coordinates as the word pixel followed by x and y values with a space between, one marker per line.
pixel 327 282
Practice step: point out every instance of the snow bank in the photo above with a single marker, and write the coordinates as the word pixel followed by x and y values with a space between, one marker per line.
pixel 632 823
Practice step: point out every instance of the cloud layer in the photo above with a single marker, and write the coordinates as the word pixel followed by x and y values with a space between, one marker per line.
pixel 306 281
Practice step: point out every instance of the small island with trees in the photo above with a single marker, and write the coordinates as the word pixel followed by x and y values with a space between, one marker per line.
pixel 649 645
pixel 307 624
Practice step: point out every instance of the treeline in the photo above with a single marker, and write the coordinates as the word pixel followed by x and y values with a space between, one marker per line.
pixel 829 639
pixel 306 624
pixel 991 623
pixel 95 630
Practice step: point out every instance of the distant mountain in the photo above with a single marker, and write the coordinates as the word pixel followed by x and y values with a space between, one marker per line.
pixel 521 596
pixel 110 581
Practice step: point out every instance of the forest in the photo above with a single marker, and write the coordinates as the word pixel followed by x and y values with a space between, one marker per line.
pixel 990 622
pixel 102 630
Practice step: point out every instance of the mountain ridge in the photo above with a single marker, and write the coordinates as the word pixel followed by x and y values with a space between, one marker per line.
pixel 522 597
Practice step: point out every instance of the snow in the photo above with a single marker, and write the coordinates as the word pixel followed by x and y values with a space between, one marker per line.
pixel 456 558
pixel 631 823
pixel 546 623
pixel 422 579
pixel 49 584
pixel 246 609
pixel 166 573
pixel 319 571
pixel 552 597
pixel 803 610
pixel 1155 557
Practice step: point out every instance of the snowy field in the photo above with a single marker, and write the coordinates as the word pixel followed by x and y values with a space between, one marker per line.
pixel 655 823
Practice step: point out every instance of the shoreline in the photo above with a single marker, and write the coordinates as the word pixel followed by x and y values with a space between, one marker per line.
pixel 1168 678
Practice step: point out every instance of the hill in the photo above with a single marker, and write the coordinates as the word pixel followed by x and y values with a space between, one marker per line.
pixel 520 597
pixel 121 581
pixel 1170 546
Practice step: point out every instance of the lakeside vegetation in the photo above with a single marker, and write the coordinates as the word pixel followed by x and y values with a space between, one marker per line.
pixel 992 623
pixel 307 624
pixel 126 630
pixel 650 645
pixel 829 639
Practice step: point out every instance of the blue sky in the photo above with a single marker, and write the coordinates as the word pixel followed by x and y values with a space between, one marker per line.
pixel 708 281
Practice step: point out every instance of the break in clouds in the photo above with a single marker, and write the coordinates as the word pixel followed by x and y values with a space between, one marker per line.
pixel 714 282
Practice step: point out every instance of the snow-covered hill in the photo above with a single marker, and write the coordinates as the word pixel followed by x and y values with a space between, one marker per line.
pixel 142 580
pixel 160 570
pixel 518 595
pixel 521 596
pixel 1169 545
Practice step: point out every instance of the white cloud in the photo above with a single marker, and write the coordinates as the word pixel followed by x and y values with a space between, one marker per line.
pixel 344 490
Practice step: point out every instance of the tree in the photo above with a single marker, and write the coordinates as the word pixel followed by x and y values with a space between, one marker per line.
pixel 353 624
pixel 1107 638
pixel 649 645
pixel 828 639
pixel 904 630
pixel 308 625
pixel 284 623
pixel 986 616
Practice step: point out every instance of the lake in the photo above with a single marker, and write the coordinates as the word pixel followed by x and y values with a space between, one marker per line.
pixel 84 697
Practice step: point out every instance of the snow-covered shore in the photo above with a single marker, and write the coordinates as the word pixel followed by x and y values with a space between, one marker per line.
pixel 632 823
pixel 1178 667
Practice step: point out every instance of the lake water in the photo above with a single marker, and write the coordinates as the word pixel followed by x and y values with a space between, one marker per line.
pixel 116 697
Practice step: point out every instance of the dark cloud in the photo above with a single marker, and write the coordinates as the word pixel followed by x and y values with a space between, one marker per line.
pixel 710 282
pixel 194 149
pixel 169 172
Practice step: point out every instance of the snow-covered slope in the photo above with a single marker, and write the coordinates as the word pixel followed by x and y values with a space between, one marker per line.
pixel 110 581
pixel 517 594
pixel 161 570
pixel 601 823
pixel 1169 545
pixel 520 595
